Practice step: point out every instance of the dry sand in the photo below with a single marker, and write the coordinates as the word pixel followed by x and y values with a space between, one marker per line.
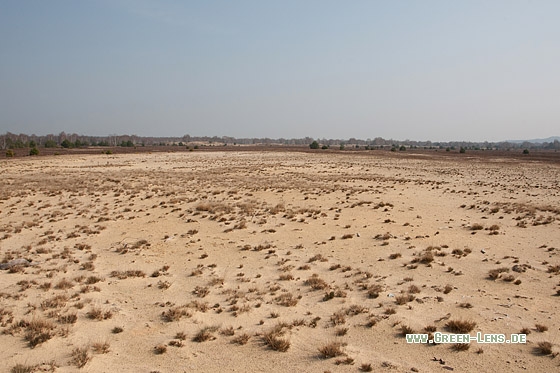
pixel 210 261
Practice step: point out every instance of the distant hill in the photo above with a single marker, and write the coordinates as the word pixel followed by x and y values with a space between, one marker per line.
pixel 536 141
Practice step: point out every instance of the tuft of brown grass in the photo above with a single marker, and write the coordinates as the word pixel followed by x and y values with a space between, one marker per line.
pixel 541 328
pixel 100 347
pixel 330 350
pixel 121 275
pixel 205 334
pixel 460 346
pixel 64 284
pixel 175 314
pixel 80 356
pixel 338 318
pixel 316 283
pixel 374 290
pixel 366 367
pixel 405 329
pixel 543 348
pixel 98 314
pixel 286 300
pixel 460 326
pixel 273 338
pixel 37 331
pixel 241 339
pixel 404 299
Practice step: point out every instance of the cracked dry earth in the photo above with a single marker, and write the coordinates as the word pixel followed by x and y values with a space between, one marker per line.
pixel 277 261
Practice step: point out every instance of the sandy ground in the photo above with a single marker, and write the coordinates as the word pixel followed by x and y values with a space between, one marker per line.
pixel 276 261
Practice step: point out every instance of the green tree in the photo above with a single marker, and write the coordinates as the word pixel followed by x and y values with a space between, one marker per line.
pixel 66 144
pixel 526 151
pixel 34 151
pixel 314 145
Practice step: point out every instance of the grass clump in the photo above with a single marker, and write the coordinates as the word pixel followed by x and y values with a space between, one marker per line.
pixel 273 338
pixel 543 348
pixel 460 326
pixel 205 334
pixel 330 350
pixel 80 356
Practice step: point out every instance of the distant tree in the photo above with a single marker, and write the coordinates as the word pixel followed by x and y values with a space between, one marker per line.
pixel 66 144
pixel 314 145
pixel 32 144
pixel 526 151
pixel 50 144
pixel 462 150
pixel 34 151
pixel 324 147
pixel 9 153
pixel 341 146
pixel 77 143
pixel 402 148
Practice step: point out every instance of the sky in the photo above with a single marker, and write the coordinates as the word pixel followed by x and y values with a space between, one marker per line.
pixel 439 70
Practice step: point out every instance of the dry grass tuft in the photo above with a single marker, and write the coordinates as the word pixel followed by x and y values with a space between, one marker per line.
pixel 330 350
pixel 541 328
pixel 100 347
pixel 80 356
pixel 273 338
pixel 205 334
pixel 543 348
pixel 460 326
pixel 241 339
pixel 460 346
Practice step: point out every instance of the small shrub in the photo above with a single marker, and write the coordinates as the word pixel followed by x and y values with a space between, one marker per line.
pixel 80 356
pixel 100 347
pixel 272 338
pixel 331 349
pixel 241 339
pixel 460 326
pixel 316 283
pixel 460 346
pixel 543 348
pixel 366 367
pixel 374 290
pixel 405 329
pixel 541 328
pixel 341 331
pixel 205 334
pixel 476 227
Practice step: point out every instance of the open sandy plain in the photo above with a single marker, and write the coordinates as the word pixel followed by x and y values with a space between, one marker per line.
pixel 277 261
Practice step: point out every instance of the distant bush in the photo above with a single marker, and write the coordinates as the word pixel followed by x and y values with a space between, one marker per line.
pixel 324 147
pixel 314 145
pixel 9 153
pixel 402 148
pixel 462 150
pixel 526 151
pixel 34 151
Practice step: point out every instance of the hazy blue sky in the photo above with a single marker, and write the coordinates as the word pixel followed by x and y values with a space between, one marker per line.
pixel 422 70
